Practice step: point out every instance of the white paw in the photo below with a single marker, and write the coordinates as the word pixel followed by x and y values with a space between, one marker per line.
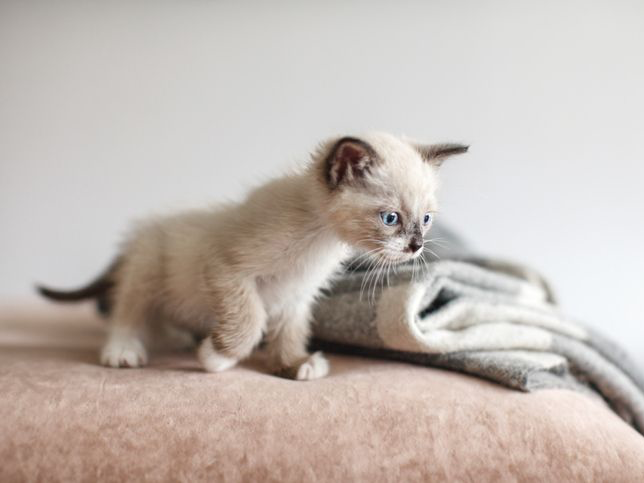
pixel 315 367
pixel 211 360
pixel 124 351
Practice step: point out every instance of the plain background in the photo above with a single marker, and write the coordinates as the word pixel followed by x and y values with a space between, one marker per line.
pixel 110 111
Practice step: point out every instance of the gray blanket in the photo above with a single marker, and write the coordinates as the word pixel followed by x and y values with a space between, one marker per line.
pixel 491 319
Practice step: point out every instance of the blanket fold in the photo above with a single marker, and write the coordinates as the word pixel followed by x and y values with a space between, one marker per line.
pixel 484 317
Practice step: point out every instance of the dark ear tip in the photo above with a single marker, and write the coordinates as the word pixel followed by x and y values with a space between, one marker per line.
pixel 456 149
pixel 451 149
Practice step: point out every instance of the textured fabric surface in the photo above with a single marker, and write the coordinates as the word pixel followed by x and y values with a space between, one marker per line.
pixel 65 418
pixel 488 318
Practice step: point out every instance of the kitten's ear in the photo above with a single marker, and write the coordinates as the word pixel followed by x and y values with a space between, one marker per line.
pixel 349 161
pixel 435 154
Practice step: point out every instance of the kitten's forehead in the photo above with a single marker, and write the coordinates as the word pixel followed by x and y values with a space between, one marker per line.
pixel 391 147
pixel 402 173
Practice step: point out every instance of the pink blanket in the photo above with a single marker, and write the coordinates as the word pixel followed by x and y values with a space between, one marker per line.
pixel 64 418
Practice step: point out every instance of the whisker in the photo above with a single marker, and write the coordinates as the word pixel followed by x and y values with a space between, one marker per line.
pixel 372 280
pixel 371 276
pixel 364 255
pixel 424 266
pixel 378 280
pixel 432 252
pixel 367 275
pixel 437 243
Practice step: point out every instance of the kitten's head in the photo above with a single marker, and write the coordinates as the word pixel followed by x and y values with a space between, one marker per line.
pixel 381 191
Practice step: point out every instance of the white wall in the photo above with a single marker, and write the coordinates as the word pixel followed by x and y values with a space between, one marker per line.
pixel 112 110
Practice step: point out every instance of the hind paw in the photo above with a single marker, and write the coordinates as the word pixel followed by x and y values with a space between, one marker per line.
pixel 124 352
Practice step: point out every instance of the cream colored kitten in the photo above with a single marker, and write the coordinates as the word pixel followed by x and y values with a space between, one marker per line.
pixel 250 270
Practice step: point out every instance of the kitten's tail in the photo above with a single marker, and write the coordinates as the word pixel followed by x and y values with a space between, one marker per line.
pixel 100 288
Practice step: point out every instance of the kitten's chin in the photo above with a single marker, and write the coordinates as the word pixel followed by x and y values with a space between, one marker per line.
pixel 400 257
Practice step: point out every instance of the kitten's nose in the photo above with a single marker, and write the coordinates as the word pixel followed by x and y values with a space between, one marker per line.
pixel 415 244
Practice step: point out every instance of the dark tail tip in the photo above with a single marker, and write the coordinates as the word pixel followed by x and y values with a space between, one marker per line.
pixel 95 289
pixel 61 296
pixel 100 289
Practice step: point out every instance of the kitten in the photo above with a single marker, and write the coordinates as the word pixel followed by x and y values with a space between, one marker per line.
pixel 250 270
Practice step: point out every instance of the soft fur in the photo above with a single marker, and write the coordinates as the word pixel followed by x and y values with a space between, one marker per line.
pixel 249 271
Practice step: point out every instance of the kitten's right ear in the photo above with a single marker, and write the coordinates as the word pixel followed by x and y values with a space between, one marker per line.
pixel 349 161
pixel 435 154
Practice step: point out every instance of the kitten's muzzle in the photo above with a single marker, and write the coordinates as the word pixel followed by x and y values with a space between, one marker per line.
pixel 415 244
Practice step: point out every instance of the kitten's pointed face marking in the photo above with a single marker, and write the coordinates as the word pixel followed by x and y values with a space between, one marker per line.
pixel 383 193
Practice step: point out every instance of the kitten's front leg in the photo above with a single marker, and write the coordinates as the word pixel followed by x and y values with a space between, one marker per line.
pixel 287 347
pixel 239 318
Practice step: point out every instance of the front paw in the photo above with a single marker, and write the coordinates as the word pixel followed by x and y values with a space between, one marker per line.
pixel 211 360
pixel 315 366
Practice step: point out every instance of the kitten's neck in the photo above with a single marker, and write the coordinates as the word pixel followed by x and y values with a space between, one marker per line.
pixel 312 200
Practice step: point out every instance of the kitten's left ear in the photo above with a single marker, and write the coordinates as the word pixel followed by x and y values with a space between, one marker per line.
pixel 349 161
pixel 435 154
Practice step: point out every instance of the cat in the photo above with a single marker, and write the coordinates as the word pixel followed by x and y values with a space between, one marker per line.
pixel 245 272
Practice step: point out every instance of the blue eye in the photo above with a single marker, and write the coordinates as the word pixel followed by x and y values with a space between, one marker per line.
pixel 389 218
pixel 427 219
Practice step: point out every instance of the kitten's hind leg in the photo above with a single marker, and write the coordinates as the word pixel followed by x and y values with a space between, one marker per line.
pixel 124 346
pixel 240 319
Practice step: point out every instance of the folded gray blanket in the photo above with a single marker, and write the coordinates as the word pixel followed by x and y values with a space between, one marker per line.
pixel 483 317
